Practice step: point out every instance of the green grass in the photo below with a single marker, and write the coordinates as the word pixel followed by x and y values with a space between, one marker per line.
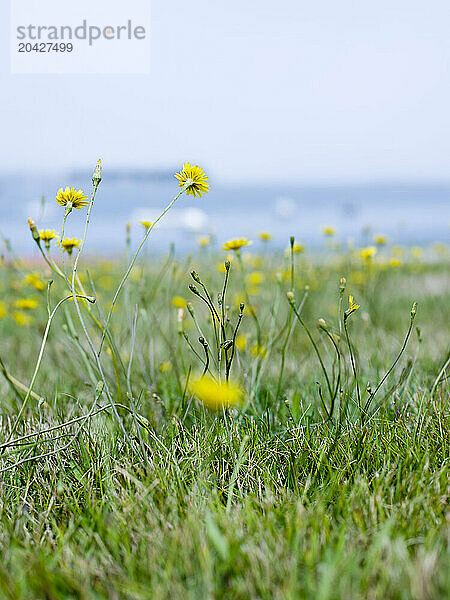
pixel 271 500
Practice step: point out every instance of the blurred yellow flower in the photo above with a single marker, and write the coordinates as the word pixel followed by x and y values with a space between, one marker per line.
pixel 2 310
pixel 236 244
pixel 215 395
pixel 368 253
pixel 264 236
pixel 255 278
pixel 416 252
pixel 380 239
pixel 204 240
pixel 179 302
pixel 71 198
pixel 33 280
pixel 26 303
pixel 165 366
pixel 328 230
pixel 258 351
pixel 297 248
pixel 195 178
pixel 241 342
pixel 394 262
pixel 22 319
pixel 146 224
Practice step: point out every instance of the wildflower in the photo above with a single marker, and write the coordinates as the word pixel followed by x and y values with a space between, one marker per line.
pixel 416 252
pixel 328 230
pixel 236 244
pixel 297 248
pixel 33 280
pixel 22 319
pixel 255 278
pixel 241 342
pixel 165 366
pixel 68 244
pixel 34 231
pixel 194 178
pixel 394 262
pixel 351 307
pixel 70 198
pixel 368 253
pixel 215 395
pixel 380 239
pixel 179 302
pixel 146 224
pixel 26 303
pixel 258 350
pixel 264 236
pixel 2 310
pixel 204 241
pixel 46 235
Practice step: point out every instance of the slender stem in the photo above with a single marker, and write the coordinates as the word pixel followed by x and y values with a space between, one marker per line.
pixel 130 266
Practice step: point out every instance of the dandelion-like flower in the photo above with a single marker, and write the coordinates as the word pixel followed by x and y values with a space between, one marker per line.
pixel 26 303
pixel 380 239
pixel 35 282
pixel 146 224
pixel 194 178
pixel 215 395
pixel 368 253
pixel 71 198
pixel 204 240
pixel 352 306
pixel 328 230
pixel 68 244
pixel 264 236
pixel 236 244
pixel 46 235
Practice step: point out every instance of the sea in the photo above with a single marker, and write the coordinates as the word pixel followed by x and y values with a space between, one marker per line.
pixel 408 213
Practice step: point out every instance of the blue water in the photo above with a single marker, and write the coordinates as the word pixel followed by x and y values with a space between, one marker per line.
pixel 407 213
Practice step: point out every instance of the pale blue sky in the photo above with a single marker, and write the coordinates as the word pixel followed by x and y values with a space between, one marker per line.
pixel 256 90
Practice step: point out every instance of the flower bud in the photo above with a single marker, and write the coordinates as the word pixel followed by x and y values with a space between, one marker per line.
pixel 97 174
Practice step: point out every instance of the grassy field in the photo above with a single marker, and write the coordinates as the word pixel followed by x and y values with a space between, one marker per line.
pixel 322 474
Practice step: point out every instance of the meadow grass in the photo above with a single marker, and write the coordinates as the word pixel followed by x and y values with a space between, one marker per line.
pixel 117 482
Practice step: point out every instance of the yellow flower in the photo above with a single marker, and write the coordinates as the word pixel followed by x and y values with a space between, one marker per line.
pixel 215 395
pixel 241 342
pixel 394 262
pixel 416 251
pixel 264 236
pixel 179 302
pixel 351 307
pixel 47 235
pixel 22 319
pixel 2 310
pixel 297 248
pixel 71 198
pixel 26 303
pixel 368 253
pixel 68 244
pixel 33 280
pixel 236 244
pixel 146 224
pixel 204 240
pixel 165 366
pixel 380 239
pixel 258 350
pixel 328 230
pixel 195 178
pixel 255 278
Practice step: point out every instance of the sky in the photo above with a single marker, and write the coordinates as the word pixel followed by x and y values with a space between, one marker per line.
pixel 254 91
